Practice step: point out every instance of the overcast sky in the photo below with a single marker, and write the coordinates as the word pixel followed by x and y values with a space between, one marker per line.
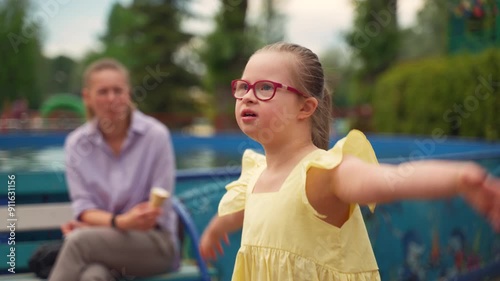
pixel 73 26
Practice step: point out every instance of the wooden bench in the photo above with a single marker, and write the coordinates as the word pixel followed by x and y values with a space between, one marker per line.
pixel 47 217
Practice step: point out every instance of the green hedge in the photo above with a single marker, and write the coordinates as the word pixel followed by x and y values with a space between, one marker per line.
pixel 457 95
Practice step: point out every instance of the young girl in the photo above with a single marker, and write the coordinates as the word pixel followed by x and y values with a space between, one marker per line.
pixel 299 204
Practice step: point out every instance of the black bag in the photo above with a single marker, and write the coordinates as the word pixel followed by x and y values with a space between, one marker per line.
pixel 44 258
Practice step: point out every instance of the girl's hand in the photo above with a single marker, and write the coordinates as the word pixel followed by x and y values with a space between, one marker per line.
pixel 141 217
pixel 210 243
pixel 482 192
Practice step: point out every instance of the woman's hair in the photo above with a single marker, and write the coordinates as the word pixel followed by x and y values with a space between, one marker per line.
pixel 307 71
pixel 99 65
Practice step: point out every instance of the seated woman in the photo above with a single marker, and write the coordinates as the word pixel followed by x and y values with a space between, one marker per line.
pixel 112 162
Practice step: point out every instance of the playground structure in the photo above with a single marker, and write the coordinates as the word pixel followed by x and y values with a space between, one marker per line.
pixel 60 112
pixel 473 25
pixel 63 104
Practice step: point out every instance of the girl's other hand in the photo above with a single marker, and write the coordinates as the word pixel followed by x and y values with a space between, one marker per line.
pixel 482 192
pixel 210 244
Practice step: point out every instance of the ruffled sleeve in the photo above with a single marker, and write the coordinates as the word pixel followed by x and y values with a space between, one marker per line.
pixel 355 144
pixel 235 197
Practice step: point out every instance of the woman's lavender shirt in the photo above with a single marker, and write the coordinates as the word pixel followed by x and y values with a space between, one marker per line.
pixel 99 179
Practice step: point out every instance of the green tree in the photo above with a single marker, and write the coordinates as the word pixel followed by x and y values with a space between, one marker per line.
pixel 338 74
pixel 375 40
pixel 162 82
pixel 225 54
pixel 20 53
pixel 62 71
pixel 428 36
pixel 119 36
pixel 272 26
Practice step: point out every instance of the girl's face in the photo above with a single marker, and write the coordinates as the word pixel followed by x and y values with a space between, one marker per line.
pixel 108 95
pixel 264 121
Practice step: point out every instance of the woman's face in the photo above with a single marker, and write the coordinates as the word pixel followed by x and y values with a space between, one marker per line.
pixel 108 95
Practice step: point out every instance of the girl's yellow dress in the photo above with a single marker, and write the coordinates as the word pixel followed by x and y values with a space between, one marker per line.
pixel 283 236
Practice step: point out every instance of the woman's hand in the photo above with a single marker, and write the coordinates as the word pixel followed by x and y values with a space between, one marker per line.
pixel 482 192
pixel 141 217
pixel 68 227
pixel 210 243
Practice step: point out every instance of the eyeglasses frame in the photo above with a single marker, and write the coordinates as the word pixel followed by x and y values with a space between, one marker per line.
pixel 252 86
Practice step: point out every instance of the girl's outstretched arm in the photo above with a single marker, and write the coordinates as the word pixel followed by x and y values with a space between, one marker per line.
pixel 217 230
pixel 355 181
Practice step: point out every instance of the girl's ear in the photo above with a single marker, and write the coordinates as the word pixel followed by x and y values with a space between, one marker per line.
pixel 308 107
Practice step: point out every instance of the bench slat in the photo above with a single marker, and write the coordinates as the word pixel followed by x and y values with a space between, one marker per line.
pixel 187 272
pixel 39 216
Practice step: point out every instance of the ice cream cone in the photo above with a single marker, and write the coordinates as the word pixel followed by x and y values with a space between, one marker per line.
pixel 157 196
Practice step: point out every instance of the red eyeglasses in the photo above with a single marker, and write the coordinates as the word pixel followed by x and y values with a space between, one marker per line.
pixel 263 90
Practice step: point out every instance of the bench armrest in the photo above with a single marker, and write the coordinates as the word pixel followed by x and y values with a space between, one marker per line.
pixel 192 231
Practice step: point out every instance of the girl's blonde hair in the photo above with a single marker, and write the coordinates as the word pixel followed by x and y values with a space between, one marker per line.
pixel 99 65
pixel 308 75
